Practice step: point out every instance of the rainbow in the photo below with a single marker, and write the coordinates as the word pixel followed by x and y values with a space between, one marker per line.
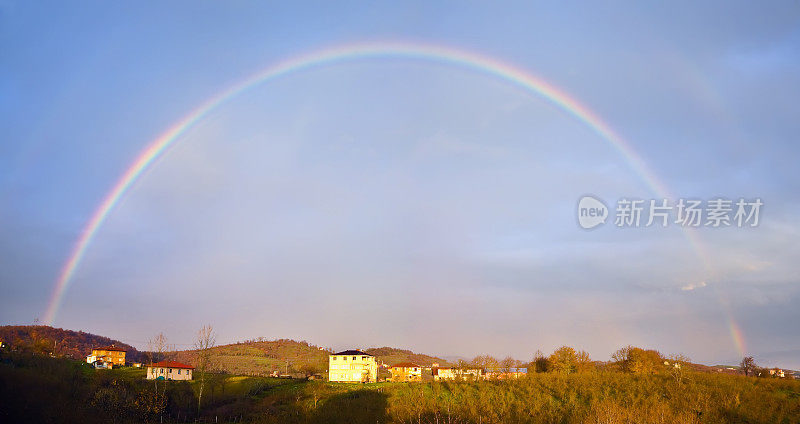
pixel 427 52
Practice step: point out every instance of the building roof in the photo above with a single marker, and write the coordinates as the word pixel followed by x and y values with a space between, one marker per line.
pixel 112 347
pixel 171 364
pixel 406 365
pixel 352 352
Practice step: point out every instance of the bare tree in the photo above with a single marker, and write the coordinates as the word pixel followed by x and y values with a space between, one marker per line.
pixel 678 364
pixel 156 348
pixel 507 364
pixel 748 366
pixel 206 340
pixel 155 352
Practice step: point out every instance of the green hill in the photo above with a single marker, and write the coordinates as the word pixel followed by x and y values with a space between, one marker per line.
pixel 290 357
pixel 263 357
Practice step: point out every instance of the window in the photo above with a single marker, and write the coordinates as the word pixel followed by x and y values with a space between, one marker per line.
pixel 334 358
pixel 354 358
pixel 344 358
pixel 363 358
pixel 179 371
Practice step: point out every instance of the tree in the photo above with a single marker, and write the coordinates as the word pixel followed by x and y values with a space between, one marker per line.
pixel 486 363
pixel 540 363
pixel 677 365
pixel 309 369
pixel 206 339
pixel 637 360
pixel 156 348
pixel 507 364
pixel 583 363
pixel 748 366
pixel 563 360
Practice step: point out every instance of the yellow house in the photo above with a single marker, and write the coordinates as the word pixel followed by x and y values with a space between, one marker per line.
pixel 169 370
pixel 352 366
pixel 109 355
pixel 406 371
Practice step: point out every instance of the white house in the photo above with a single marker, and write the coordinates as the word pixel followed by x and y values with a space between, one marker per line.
pixel 169 370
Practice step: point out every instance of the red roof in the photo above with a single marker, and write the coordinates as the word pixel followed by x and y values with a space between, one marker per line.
pixel 112 347
pixel 171 364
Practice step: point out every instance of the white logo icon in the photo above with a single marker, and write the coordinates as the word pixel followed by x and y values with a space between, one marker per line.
pixel 591 212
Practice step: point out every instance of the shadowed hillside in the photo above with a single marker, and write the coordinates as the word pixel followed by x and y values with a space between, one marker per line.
pixel 60 342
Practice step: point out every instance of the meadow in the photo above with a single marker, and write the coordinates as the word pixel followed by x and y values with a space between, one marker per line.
pixel 36 388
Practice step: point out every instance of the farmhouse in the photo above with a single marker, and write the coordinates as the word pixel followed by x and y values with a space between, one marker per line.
pixel 457 374
pixel 169 370
pixel 406 371
pixel 106 357
pixel 352 366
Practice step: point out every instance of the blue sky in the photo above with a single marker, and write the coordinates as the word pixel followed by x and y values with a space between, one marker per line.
pixel 402 202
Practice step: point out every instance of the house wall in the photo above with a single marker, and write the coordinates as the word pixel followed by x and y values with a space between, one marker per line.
pixel 459 374
pixel 406 374
pixel 114 356
pixel 169 373
pixel 352 368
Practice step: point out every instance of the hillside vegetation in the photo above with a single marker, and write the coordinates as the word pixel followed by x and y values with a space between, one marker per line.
pixel 289 357
pixel 59 342
pixel 252 357
pixel 263 357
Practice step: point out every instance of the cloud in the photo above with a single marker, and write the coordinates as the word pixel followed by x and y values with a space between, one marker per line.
pixel 692 286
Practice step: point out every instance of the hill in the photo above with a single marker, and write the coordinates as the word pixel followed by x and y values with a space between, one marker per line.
pixel 263 357
pixel 391 356
pixel 251 357
pixel 291 357
pixel 60 342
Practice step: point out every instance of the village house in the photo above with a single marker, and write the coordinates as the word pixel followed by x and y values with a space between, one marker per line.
pixel 506 373
pixel 106 357
pixel 777 372
pixel 405 372
pixel 352 366
pixel 457 373
pixel 169 370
